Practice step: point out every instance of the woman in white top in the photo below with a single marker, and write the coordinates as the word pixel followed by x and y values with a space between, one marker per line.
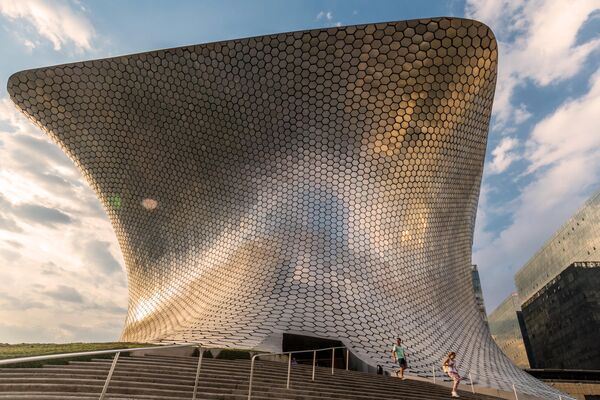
pixel 450 369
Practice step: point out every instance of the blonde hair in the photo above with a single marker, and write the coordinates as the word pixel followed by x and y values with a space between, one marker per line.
pixel 449 357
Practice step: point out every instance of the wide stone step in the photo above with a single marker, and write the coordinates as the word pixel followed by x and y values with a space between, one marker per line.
pixel 94 396
pixel 160 377
pixel 136 389
pixel 277 371
pixel 50 387
pixel 48 396
pixel 138 381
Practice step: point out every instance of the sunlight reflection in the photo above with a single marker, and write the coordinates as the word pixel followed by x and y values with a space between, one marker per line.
pixel 149 204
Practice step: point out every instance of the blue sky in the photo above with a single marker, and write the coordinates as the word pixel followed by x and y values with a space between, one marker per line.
pixel 60 265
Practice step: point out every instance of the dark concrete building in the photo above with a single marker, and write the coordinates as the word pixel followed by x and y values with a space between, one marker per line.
pixel 577 240
pixel 563 320
pixel 554 317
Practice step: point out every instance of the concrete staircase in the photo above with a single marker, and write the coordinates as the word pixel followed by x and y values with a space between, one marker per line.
pixel 172 378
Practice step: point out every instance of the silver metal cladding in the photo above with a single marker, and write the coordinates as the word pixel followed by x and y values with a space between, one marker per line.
pixel 322 182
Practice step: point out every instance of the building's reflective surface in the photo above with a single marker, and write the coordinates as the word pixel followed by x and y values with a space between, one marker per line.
pixel 478 291
pixel 577 240
pixel 321 182
pixel 506 331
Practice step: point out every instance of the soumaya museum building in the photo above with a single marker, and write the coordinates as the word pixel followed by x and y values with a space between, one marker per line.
pixel 320 183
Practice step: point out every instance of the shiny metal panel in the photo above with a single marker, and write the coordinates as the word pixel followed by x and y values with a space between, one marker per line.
pixel 322 182
pixel 506 331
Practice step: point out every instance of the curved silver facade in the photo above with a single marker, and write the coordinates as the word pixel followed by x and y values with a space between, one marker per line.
pixel 322 182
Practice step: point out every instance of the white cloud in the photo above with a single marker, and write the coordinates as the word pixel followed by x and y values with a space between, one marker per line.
pixel 539 45
pixel 11 117
pixel 542 208
pixel 325 15
pixel 503 155
pixel 504 16
pixel 55 21
pixel 57 248
pixel 521 114
pixel 46 328
pixel 537 42
pixel 328 17
pixel 29 45
pixel 563 153
pixel 571 131
pixel 481 235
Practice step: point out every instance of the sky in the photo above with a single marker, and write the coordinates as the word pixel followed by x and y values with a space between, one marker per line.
pixel 61 269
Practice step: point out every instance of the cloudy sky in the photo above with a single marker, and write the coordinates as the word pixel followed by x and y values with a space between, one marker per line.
pixel 61 270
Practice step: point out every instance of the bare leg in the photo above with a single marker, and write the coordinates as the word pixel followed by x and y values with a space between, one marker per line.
pixel 455 386
pixel 402 372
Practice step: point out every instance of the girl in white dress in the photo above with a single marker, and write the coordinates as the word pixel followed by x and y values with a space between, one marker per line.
pixel 450 369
